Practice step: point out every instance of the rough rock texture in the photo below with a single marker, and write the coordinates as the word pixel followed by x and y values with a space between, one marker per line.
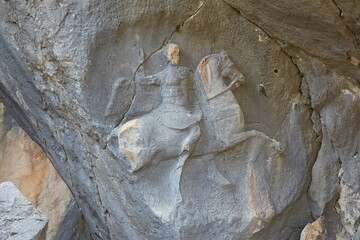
pixel 73 225
pixel 312 231
pixel 23 163
pixel 252 134
pixel 18 219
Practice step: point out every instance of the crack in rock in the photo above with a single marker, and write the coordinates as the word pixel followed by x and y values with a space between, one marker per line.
pixel 163 44
pixel 286 43
pixel 347 26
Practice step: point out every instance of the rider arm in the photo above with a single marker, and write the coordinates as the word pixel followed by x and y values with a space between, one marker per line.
pixel 150 80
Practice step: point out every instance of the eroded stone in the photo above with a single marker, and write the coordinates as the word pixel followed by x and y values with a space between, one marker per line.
pixel 18 219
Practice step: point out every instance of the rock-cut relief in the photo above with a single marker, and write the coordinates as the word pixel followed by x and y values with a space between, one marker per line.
pixel 208 133
pixel 172 129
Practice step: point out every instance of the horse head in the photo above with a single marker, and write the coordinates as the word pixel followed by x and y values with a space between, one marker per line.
pixel 219 74
pixel 229 71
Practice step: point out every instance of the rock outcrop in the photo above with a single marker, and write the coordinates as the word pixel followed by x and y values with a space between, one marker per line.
pixel 193 119
pixel 23 163
pixel 18 219
pixel 313 231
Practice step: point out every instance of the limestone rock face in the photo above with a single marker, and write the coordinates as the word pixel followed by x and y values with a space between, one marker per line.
pixel 18 219
pixel 24 163
pixel 192 119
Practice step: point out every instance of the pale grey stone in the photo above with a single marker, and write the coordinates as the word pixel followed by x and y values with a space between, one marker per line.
pixel 334 188
pixel 74 74
pixel 18 219
pixel 324 187
pixel 234 167
pixel 357 234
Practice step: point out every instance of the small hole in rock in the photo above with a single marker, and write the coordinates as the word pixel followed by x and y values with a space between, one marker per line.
pixel 275 71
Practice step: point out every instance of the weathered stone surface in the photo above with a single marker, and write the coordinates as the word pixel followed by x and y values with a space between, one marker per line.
pixel 313 231
pixel 333 191
pixel 315 27
pixel 73 225
pixel 324 186
pixel 18 219
pixel 250 132
pixel 23 163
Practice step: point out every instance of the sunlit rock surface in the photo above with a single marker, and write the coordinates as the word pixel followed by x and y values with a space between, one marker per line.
pixel 24 163
pixel 249 131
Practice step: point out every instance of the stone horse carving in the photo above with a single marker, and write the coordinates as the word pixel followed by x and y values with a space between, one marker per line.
pixel 172 129
pixel 215 137
pixel 223 117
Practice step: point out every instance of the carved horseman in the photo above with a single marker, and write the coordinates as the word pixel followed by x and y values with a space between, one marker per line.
pixel 172 129
pixel 172 132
